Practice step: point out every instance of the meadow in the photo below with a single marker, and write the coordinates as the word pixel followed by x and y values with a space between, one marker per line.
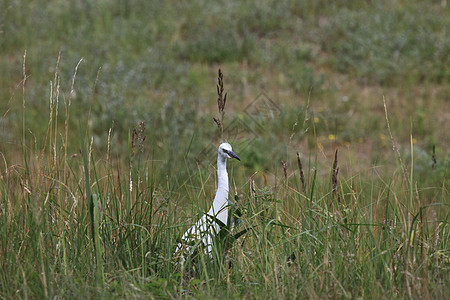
pixel 338 110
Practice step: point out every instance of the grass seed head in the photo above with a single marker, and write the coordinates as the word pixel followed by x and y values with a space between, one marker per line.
pixel 221 100
pixel 141 136
pixel 302 175
pixel 433 157
pixel 284 165
pixel 334 177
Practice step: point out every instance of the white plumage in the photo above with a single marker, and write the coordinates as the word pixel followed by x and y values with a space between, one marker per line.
pixel 207 227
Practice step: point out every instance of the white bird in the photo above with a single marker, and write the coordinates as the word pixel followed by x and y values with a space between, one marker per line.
pixel 205 228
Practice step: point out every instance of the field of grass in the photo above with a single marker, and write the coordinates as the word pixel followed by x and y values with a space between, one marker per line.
pixel 338 110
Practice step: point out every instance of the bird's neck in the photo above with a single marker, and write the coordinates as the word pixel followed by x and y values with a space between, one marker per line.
pixel 222 176
pixel 220 202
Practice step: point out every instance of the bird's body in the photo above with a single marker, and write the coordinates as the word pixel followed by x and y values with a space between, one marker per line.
pixel 207 226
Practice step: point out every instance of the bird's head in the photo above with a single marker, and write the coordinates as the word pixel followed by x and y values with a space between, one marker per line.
pixel 226 151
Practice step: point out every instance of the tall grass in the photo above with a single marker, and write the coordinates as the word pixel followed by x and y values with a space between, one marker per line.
pixel 90 225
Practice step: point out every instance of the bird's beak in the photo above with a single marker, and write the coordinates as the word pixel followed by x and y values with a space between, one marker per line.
pixel 231 153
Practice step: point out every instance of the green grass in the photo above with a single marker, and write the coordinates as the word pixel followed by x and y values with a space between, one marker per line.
pixel 382 239
pixel 90 208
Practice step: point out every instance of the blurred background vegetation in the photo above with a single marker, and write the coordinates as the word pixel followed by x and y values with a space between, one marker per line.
pixel 156 62
pixel 307 76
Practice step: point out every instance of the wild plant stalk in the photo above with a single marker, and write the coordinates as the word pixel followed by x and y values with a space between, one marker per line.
pixel 410 237
pixel 92 205
pixel 54 93
pixel 305 118
pixel 133 141
pixel 334 175
pixel 62 179
pixel 284 166
pixel 394 144
pixel 24 81
pixel 302 175
pixel 221 101
pixel 286 184
pixel 94 87
pixel 98 246
pixel 408 183
pixel 67 106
